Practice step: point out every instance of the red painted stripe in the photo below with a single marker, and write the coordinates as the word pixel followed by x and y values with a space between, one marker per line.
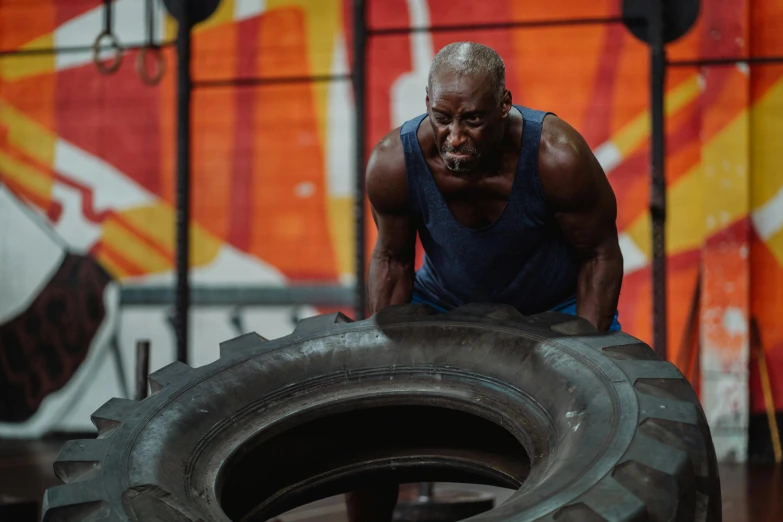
pixel 88 207
pixel 115 118
pixel 69 9
pixel 597 125
pixel 102 250
pixel 241 209
pixel 23 194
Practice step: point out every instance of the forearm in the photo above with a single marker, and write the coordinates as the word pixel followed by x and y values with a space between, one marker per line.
pixel 390 281
pixel 598 291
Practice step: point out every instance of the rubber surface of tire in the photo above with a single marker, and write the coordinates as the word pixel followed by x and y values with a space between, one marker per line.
pixel 610 432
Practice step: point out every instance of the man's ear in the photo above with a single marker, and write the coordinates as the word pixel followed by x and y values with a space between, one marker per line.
pixel 505 105
pixel 427 97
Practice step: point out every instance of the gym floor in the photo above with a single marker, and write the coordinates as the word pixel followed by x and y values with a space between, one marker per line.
pixel 750 492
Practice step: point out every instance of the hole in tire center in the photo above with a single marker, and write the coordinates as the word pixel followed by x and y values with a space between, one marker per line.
pixel 346 451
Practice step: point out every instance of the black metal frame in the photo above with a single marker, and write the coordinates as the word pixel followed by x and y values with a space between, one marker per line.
pixel 246 295
pixel 360 36
pixel 528 24
pixel 727 61
pixel 48 51
pixel 658 175
pixel 184 90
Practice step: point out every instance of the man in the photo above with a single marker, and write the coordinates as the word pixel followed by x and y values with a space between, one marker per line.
pixel 510 204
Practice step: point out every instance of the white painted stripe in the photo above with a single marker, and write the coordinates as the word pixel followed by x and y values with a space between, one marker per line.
pixel 408 91
pixel 421 42
pixel 609 156
pixel 633 257
pixel 29 255
pixel 230 266
pixel 340 130
pixel 130 27
pixel 80 233
pixel 244 9
pixel 111 188
pixel 768 218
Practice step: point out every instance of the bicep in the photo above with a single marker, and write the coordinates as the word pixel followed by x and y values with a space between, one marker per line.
pixel 388 195
pixel 587 217
pixel 396 235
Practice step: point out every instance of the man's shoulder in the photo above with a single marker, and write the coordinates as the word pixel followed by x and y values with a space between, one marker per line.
pixel 562 146
pixel 387 183
pixel 570 173
pixel 388 156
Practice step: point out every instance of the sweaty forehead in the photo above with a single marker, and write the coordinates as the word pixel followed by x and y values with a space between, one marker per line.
pixel 466 92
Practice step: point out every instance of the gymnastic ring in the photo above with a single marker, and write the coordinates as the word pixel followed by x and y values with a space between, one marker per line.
pixel 160 64
pixel 113 44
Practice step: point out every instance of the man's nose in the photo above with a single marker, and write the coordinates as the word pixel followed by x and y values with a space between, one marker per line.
pixel 456 136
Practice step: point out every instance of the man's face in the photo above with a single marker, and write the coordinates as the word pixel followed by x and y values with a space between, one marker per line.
pixel 466 119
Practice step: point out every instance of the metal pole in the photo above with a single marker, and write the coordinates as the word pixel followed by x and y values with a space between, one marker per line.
pixel 142 369
pixel 658 175
pixel 183 182
pixel 359 91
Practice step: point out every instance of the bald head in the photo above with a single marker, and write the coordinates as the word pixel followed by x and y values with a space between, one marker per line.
pixel 470 59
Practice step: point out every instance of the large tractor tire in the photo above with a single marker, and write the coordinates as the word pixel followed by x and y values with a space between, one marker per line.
pixel 586 426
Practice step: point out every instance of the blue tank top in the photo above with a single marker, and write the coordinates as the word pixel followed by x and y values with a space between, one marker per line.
pixel 522 259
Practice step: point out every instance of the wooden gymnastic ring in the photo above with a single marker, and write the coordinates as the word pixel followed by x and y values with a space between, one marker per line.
pixel 160 64
pixel 114 44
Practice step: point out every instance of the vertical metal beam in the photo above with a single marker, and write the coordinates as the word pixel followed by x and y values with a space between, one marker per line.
pixel 142 369
pixel 359 92
pixel 658 175
pixel 183 181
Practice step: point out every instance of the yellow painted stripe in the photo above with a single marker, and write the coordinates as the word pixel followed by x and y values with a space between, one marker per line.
pixel 22 66
pixel 121 240
pixel 684 220
pixel 341 228
pixel 725 180
pixel 775 245
pixel 170 27
pixel 28 136
pixel 149 220
pixel 633 134
pixel 685 227
pixel 31 179
pixel 765 147
pixel 710 197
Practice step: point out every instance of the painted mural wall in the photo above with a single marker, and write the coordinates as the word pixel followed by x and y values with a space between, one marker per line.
pixel 87 167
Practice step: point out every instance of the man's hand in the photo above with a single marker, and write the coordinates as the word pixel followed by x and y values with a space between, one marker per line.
pixel 586 210
pixel 391 275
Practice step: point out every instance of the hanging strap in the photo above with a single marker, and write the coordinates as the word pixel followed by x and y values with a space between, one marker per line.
pixel 150 48
pixel 111 65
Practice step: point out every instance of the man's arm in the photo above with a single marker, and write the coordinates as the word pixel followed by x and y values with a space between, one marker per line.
pixel 586 210
pixel 391 275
